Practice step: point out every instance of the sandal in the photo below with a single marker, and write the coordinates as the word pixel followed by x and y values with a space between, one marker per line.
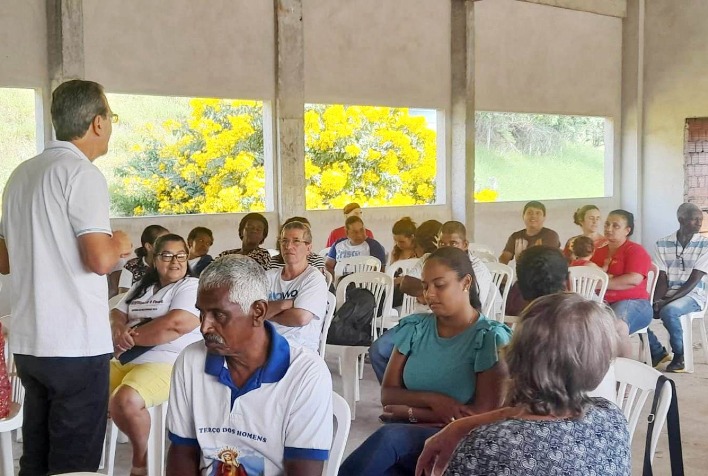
pixel 135 471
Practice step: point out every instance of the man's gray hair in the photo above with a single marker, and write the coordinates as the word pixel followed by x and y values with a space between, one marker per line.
pixel 685 210
pixel 75 104
pixel 244 278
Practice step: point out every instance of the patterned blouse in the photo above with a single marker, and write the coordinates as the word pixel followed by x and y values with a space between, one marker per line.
pixel 597 444
pixel 260 255
pixel 137 267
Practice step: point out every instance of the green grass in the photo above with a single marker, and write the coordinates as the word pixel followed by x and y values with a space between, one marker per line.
pixel 576 173
pixel 17 130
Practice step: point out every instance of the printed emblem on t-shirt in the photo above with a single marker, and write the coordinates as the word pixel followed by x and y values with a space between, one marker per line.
pixel 234 462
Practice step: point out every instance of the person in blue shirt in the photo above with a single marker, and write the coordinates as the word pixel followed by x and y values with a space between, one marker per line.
pixel 444 366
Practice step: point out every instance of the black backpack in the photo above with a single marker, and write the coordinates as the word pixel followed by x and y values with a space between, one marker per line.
pixel 351 324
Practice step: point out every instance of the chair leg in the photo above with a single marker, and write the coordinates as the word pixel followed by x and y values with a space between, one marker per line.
pixel 686 324
pixel 644 352
pixel 349 380
pixel 8 466
pixel 704 338
pixel 112 444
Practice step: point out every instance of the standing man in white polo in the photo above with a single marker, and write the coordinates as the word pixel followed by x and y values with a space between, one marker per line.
pixel 56 242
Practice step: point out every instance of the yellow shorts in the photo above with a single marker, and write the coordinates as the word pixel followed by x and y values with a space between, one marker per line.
pixel 151 381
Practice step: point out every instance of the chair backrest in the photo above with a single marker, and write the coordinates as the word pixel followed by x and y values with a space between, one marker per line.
pixel 486 257
pixel 324 252
pixel 380 285
pixel 328 277
pixel 18 391
pixel 331 305
pixel 584 280
pixel 402 266
pixel 342 425
pixel 636 383
pixel 475 247
pixel 273 252
pixel 502 278
pixel 652 278
pixel 115 300
pixel 356 264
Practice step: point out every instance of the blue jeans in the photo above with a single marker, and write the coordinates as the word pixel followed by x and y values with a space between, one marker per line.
pixel 670 315
pixel 392 450
pixel 380 352
pixel 637 313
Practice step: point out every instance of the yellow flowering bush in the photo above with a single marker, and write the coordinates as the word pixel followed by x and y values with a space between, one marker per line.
pixel 213 160
pixel 377 156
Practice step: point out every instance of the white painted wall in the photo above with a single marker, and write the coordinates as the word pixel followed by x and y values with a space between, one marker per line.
pixel 23 44
pixel 529 58
pixel 676 88
pixel 184 48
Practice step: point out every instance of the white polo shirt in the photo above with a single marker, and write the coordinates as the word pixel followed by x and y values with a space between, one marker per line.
pixel 181 295
pixel 309 291
pixel 283 412
pixel 59 308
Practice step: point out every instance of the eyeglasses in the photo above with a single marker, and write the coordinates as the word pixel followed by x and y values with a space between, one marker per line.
pixel 680 256
pixel 113 117
pixel 166 256
pixel 285 242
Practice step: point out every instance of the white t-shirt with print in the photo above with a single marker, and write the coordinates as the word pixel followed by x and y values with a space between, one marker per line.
pixel 180 295
pixel 59 307
pixel 283 412
pixel 309 290
pixel 126 276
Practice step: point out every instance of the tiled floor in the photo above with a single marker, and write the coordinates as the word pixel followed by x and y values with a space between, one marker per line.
pixel 692 392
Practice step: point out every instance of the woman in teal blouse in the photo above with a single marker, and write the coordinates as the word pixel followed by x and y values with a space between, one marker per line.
pixel 444 366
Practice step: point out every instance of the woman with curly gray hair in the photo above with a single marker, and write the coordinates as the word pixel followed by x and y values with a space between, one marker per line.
pixel 549 425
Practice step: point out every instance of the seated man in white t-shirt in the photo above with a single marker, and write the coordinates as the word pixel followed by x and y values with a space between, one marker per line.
pixel 297 295
pixel 244 401
pixel 355 244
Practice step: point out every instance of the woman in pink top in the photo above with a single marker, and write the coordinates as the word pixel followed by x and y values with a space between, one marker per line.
pixel 627 263
pixel 352 209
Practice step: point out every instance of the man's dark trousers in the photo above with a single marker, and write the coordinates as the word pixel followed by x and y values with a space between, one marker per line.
pixel 65 409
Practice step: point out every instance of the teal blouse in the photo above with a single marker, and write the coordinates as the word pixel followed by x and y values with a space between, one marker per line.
pixel 448 365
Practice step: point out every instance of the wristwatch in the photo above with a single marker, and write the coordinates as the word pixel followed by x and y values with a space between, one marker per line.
pixel 411 418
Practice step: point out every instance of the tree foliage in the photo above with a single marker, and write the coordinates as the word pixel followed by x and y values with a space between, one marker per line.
pixel 214 161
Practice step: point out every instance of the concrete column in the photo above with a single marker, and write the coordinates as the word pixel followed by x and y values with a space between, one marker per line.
pixel 65 48
pixel 289 109
pixel 462 114
pixel 631 168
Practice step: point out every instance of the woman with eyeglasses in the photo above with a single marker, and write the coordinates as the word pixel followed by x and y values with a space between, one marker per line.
pixel 627 263
pixel 151 325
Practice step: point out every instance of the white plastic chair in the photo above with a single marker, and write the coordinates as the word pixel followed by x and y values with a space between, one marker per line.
pixel 324 252
pixel 402 267
pixel 502 274
pixel 14 420
pixel 585 280
pixel 687 326
pixel 115 300
pixel 273 252
pixel 644 352
pixel 156 442
pixel 342 425
pixel 355 264
pixel 331 305
pixel 328 277
pixel 636 383
pixel 381 286
pixel 479 247
pixel 486 257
